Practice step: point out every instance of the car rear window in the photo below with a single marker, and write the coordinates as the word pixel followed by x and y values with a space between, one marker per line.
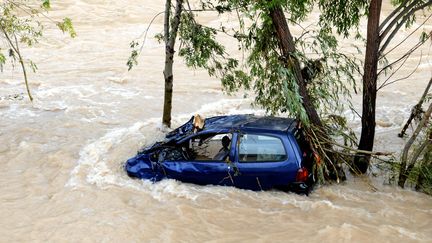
pixel 261 148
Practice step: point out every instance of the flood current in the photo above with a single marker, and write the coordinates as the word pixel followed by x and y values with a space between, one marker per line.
pixel 61 157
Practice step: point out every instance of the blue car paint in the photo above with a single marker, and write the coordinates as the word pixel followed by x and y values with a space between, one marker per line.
pixel 246 175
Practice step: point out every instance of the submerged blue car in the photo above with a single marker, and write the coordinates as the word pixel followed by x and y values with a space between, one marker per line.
pixel 245 151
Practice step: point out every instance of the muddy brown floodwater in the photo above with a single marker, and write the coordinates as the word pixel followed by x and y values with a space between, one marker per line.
pixel 61 176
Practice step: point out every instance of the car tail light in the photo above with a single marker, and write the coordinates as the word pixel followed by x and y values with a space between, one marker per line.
pixel 302 175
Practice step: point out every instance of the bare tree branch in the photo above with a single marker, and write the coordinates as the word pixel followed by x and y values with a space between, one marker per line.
pixel 400 79
pixel 400 43
pixel 416 110
pixel 406 55
pixel 392 14
pixel 398 26
pixel 146 31
pixel 404 158
pixel 408 11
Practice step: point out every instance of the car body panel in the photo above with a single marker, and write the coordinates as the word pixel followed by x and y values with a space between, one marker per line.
pixel 170 159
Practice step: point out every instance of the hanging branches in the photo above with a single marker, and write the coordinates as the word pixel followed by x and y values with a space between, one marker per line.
pixel 15 47
pixel 406 13
pixel 27 29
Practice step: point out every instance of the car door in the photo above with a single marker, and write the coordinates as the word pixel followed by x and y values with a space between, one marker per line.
pixel 264 161
pixel 201 168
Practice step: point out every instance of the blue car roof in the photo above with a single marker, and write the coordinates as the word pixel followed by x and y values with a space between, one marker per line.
pixel 234 122
pixel 251 122
pixel 219 124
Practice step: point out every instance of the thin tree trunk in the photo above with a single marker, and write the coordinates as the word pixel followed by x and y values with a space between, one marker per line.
pixel 369 86
pixel 170 38
pixel 403 172
pixel 425 167
pixel 15 48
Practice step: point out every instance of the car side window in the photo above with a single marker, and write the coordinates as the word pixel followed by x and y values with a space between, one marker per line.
pixel 261 148
pixel 214 147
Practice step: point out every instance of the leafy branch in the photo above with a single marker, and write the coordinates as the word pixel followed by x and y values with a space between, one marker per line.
pixel 17 29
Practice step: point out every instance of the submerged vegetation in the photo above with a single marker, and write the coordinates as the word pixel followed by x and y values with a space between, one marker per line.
pixel 416 157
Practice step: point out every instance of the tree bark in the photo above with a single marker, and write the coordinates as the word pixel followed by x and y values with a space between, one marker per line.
pixel 370 75
pixel 286 44
pixel 170 38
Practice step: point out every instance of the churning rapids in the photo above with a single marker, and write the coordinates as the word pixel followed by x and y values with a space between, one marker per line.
pixel 61 158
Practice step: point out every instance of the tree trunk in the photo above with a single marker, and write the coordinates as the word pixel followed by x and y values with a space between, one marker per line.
pixel 286 43
pixel 170 38
pixel 369 86
pixel 404 171
pixel 425 168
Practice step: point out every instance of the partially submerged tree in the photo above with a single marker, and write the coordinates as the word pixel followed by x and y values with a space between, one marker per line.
pixel 170 36
pixel 379 36
pixel 274 63
pixel 275 59
pixel 21 24
pixel 424 175
pixel 423 133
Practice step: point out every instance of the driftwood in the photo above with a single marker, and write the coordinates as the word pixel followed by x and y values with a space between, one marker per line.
pixel 416 110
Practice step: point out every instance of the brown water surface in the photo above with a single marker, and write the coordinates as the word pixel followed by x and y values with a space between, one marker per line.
pixel 61 158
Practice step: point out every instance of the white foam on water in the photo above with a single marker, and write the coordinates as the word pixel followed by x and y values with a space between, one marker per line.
pixel 55 105
pixel 127 93
pixel 93 156
pixel 401 231
pixel 71 90
pixel 98 165
pixel 17 111
pixel 307 205
pixel 94 166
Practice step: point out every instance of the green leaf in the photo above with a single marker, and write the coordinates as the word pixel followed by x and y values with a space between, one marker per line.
pixel 46 4
pixel 66 26
pixel 2 61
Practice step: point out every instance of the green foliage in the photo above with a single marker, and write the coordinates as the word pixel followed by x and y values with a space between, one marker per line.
pixel 424 36
pixel 159 37
pixel 2 61
pixel 46 4
pixel 66 26
pixel 133 58
pixel 425 175
pixel 21 24
pixel 413 4
pixel 421 175
pixel 342 14
pixel 266 72
pixel 198 44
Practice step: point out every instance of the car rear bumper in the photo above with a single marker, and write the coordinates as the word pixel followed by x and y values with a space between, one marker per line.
pixel 299 187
